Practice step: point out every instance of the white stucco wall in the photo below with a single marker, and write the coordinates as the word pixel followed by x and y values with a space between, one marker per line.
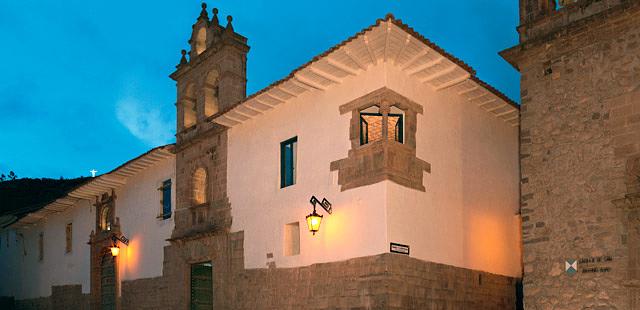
pixel 261 208
pixel 466 218
pixel 137 205
pixel 27 276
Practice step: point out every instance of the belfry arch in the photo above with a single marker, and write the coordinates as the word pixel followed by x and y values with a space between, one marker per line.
pixel 210 89
pixel 188 106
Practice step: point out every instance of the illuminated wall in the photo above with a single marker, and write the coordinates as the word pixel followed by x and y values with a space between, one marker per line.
pixel 137 206
pixel 466 218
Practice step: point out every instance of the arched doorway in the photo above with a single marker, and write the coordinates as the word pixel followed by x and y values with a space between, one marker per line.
pixel 107 282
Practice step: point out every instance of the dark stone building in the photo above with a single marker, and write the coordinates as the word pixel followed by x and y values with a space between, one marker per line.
pixel 580 152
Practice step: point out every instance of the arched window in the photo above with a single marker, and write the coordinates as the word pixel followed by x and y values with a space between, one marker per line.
pixel 188 101
pixel 105 218
pixel 211 106
pixel 200 43
pixel 200 186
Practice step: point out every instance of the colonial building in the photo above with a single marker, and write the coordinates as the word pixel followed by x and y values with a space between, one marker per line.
pixel 580 153
pixel 382 174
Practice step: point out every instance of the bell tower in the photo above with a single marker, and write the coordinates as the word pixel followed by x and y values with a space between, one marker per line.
pixel 213 75
pixel 210 78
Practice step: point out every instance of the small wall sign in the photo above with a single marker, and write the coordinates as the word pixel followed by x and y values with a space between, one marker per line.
pixel 596 264
pixel 571 266
pixel 399 248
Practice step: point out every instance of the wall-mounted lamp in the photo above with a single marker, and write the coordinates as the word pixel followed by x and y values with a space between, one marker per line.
pixel 115 249
pixel 314 219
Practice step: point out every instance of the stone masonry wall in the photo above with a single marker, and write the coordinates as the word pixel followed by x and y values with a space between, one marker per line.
pixel 386 281
pixel 580 138
pixel 143 294
pixel 62 297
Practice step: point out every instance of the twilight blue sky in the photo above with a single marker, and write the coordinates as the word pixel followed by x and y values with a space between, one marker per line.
pixel 85 83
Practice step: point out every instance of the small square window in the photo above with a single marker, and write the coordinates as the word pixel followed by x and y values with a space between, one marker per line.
pixel 292 239
pixel 288 160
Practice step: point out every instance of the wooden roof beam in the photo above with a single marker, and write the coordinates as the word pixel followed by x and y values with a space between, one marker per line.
pixel 325 75
pixel 506 113
pixel 426 65
pixel 302 80
pixel 282 89
pixel 487 102
pixel 233 115
pixel 354 58
pixel 415 57
pixel 257 105
pixel 478 97
pixel 342 67
pixel 247 110
pixel 374 60
pixel 224 121
pixel 498 107
pixel 386 41
pixel 468 90
pixel 404 46
pixel 274 98
pixel 114 179
pixel 512 118
pixel 453 82
pixel 439 74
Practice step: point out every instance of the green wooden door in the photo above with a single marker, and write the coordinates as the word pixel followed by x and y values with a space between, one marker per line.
pixel 108 283
pixel 202 286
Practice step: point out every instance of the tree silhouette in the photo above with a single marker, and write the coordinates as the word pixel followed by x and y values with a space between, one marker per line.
pixel 12 176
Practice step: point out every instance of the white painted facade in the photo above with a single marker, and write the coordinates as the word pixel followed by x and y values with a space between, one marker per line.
pixel 467 217
pixel 137 207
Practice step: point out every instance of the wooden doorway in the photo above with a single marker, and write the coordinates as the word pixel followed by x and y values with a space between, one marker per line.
pixel 201 286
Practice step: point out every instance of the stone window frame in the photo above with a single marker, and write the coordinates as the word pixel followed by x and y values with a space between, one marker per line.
pixel 384 159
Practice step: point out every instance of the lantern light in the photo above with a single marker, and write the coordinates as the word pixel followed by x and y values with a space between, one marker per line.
pixel 314 219
pixel 115 250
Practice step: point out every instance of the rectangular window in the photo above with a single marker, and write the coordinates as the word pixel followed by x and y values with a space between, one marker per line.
pixel 68 234
pixel 395 128
pixel 41 247
pixel 292 239
pixel 288 162
pixel 372 123
pixel 166 199
pixel 202 286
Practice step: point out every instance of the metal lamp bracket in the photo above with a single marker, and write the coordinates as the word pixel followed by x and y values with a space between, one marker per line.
pixel 325 204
